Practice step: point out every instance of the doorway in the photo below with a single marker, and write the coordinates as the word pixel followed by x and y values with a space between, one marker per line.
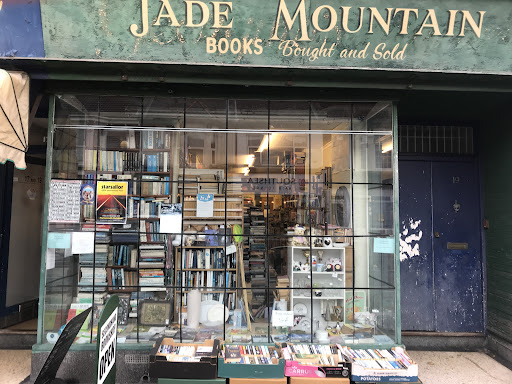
pixel 440 246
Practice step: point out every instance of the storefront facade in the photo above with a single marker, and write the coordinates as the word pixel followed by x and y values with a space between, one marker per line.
pixel 247 153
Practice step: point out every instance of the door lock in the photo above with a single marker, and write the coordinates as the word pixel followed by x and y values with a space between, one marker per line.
pixel 436 234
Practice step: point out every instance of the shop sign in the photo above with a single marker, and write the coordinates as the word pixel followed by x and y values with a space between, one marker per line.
pixel 447 35
pixel 106 346
pixel 276 184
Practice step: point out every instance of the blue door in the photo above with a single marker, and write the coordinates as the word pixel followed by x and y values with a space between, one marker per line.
pixel 441 261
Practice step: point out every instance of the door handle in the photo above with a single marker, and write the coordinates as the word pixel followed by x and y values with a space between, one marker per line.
pixel 436 234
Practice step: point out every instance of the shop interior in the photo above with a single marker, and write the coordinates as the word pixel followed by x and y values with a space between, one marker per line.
pixel 244 220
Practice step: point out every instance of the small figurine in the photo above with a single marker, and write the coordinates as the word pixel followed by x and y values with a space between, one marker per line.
pixel 299 240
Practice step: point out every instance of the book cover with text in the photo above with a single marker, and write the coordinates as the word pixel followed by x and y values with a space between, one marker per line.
pixel 111 202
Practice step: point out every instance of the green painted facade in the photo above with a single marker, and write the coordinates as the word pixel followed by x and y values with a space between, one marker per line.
pixel 450 36
pixel 498 210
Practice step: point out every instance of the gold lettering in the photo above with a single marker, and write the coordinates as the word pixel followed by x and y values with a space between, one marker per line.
pixel 300 12
pixel 170 14
pixel 205 13
pixel 287 47
pixel 363 54
pixel 217 13
pixel 401 54
pixel 405 18
pixel 431 15
pixel 333 17
pixel 476 28
pixel 375 15
pixel 344 22
pixel 451 22
pixel 225 42
pixel 211 45
pixel 144 13
pixel 258 48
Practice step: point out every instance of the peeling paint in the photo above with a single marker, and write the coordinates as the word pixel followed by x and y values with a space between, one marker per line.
pixel 409 242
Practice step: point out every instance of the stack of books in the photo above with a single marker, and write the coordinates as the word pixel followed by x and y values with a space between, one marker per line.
pixel 151 278
pixel 152 256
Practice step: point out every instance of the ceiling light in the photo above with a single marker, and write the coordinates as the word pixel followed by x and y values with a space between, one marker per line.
pixel 264 143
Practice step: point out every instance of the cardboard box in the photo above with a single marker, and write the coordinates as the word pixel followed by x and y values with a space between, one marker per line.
pixel 258 381
pixel 304 368
pixel 318 380
pixel 252 371
pixel 191 381
pixel 362 374
pixel 159 367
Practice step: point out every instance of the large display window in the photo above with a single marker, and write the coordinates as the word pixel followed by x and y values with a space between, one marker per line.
pixel 245 220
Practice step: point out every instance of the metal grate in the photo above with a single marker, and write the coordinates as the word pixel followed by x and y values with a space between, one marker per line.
pixel 136 358
pixel 435 139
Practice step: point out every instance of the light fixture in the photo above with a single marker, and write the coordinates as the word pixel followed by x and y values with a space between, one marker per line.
pixel 246 170
pixel 250 160
pixel 387 146
pixel 264 143
pixel 386 143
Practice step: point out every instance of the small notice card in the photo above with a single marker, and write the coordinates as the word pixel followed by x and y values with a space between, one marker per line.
pixel 64 204
pixel 383 245
pixel 82 242
pixel 204 205
pixel 282 318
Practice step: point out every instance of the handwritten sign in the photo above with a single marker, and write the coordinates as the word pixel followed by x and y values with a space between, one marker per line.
pixel 282 318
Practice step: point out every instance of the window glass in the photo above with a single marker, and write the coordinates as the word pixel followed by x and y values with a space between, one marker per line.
pixel 206 216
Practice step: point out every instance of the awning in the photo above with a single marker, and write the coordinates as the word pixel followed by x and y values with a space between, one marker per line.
pixel 14 113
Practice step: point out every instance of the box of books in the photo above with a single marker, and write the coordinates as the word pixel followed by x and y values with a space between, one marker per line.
pixel 381 365
pixel 184 360
pixel 246 361
pixel 319 380
pixel 315 361
pixel 192 381
pixel 282 380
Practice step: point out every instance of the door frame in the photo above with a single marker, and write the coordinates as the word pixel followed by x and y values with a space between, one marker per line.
pixel 476 161
pixel 6 181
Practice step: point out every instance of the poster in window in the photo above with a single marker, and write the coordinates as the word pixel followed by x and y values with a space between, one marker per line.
pixel 111 202
pixel 204 205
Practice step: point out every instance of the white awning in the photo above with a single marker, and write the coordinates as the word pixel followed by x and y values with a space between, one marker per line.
pixel 14 114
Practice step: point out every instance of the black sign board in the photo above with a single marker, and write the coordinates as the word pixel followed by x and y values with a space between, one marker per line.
pixel 61 348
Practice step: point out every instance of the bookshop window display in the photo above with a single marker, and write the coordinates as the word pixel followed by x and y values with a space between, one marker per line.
pixel 244 220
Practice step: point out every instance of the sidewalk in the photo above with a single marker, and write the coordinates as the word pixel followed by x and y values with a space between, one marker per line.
pixel 435 367
pixel 14 365
pixel 460 368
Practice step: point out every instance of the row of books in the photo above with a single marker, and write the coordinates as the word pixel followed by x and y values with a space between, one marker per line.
pixel 394 358
pixel 206 279
pixel 121 278
pixel 185 353
pixel 207 258
pixel 111 161
pixel 155 185
pixel 158 162
pixel 123 255
pixel 149 231
pixel 145 207
pixel 156 140
pixel 120 161
pixel 250 354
